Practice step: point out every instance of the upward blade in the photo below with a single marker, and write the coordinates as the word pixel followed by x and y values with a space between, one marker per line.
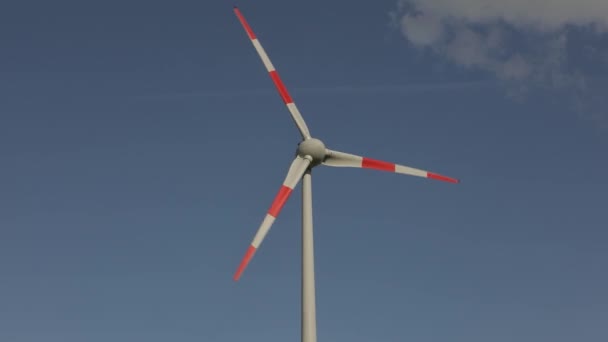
pixel 341 159
pixel 297 169
pixel 274 75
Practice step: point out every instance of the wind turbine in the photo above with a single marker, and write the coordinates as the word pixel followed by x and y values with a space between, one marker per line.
pixel 311 152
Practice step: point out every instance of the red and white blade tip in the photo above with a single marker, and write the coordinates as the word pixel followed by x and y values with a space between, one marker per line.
pixel 244 23
pixel 437 176
pixel 250 252
pixel 274 210
pixel 368 163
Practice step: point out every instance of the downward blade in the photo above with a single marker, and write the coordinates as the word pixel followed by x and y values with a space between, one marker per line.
pixel 341 159
pixel 296 170
pixel 274 75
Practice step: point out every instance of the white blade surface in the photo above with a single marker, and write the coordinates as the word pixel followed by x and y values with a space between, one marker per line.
pixel 341 159
pixel 274 75
pixel 296 170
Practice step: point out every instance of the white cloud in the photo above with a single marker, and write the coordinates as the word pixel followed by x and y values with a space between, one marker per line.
pixel 518 41
pixel 540 14
pixel 422 30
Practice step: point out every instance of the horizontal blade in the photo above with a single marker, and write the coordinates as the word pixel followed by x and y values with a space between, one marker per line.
pixel 341 159
pixel 274 75
pixel 297 169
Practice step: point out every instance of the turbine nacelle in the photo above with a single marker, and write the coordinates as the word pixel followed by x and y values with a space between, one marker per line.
pixel 312 148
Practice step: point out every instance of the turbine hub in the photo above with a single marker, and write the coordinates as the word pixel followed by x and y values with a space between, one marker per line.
pixel 313 148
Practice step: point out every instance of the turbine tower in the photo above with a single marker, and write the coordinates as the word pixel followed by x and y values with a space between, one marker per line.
pixel 311 152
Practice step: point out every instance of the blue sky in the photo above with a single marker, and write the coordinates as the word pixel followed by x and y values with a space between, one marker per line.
pixel 143 142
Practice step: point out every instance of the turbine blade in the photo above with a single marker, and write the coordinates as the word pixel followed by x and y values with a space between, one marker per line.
pixel 295 173
pixel 341 159
pixel 274 75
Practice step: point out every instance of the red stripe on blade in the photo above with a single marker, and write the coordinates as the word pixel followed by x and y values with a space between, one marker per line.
pixel 441 178
pixel 244 23
pixel 280 87
pixel 279 201
pixel 244 262
pixel 377 165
